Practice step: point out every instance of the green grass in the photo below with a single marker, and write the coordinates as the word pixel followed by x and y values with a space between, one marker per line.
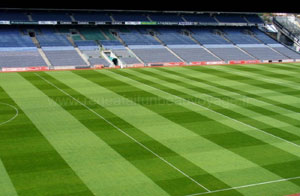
pixel 199 130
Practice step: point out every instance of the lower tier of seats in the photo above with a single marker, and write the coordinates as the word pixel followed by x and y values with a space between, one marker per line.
pixel 155 55
pixel 21 59
pixel 64 58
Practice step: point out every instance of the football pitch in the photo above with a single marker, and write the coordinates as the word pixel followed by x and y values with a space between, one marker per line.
pixel 186 131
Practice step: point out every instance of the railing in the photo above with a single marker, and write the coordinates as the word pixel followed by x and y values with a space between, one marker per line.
pixel 286 31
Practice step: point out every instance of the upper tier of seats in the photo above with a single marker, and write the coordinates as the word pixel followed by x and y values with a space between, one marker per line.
pixel 158 17
pixel 129 17
pixel 117 16
pixel 50 16
pixel 203 18
pixel 13 15
pixel 230 18
pixel 91 16
pixel 253 18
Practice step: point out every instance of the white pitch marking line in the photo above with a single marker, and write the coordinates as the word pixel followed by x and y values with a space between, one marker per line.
pixel 15 116
pixel 249 185
pixel 203 107
pixel 142 145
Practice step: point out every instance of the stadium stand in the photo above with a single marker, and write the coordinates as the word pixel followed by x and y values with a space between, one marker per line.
pixel 161 17
pixel 286 51
pixel 7 15
pixel 201 18
pixel 239 35
pixel 262 52
pixel 193 53
pixel 129 17
pixel 17 50
pixel 91 16
pixel 146 47
pixel 80 38
pixel 253 18
pixel 230 18
pixel 173 36
pixel 211 39
pixel 126 56
pixel 50 16
pixel 206 35
pixel 154 54
pixel 57 48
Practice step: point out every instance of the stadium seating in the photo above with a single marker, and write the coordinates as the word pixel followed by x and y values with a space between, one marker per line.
pixel 230 18
pixel 58 49
pixel 50 16
pixel 158 17
pixel 91 33
pixel 91 16
pixel 239 36
pixel 63 56
pixel 173 36
pixel 262 36
pixel 286 51
pixel 47 37
pixel 263 52
pixel 134 37
pixel 13 15
pixel 206 35
pixel 94 57
pixel 146 47
pixel 83 43
pixel 19 58
pixel 90 49
pixel 17 50
pixel 12 37
pixel 129 17
pixel 86 43
pixel 126 56
pixel 201 18
pixel 193 53
pixel 253 18
pixel 154 54
pixel 229 52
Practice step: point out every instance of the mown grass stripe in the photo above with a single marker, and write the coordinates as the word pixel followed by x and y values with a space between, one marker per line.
pixel 219 75
pixel 159 171
pixel 33 165
pixel 101 80
pixel 270 76
pixel 249 185
pixel 240 146
pixel 102 169
pixel 284 66
pixel 227 113
pixel 264 107
pixel 132 138
pixel 270 84
pixel 225 103
pixel 279 68
pixel 6 186
pixel 177 138
pixel 288 78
